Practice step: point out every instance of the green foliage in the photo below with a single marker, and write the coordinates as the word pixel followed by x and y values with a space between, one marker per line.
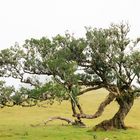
pixel 5 93
pixel 106 58
pixel 111 57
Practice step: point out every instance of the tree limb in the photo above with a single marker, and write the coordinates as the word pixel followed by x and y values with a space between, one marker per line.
pixel 69 121
pixel 89 89
pixel 101 108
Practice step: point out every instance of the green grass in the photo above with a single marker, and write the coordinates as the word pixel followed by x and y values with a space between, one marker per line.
pixel 15 123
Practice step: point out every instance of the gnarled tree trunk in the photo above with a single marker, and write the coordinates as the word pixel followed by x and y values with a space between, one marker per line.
pixel 125 103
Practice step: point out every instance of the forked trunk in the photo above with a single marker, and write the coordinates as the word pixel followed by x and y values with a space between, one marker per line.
pixel 117 122
pixel 77 121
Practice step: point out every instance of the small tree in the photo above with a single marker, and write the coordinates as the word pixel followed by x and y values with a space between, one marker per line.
pixel 5 94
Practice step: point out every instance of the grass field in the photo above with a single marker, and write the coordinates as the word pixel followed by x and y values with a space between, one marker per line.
pixel 15 123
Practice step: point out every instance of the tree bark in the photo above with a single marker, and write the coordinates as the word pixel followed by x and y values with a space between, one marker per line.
pixel 73 107
pixel 117 122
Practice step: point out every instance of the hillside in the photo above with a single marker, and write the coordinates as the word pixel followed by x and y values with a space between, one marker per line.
pixel 15 123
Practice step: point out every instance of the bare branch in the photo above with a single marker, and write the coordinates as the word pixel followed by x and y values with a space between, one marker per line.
pixel 101 108
pixel 69 121
pixel 89 89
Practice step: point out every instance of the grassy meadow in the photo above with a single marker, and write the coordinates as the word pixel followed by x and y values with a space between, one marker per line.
pixel 16 122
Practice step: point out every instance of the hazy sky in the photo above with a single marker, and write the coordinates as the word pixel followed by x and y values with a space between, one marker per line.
pixel 23 19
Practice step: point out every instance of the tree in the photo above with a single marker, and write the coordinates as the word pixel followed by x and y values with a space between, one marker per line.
pixel 45 57
pixel 106 58
pixel 112 62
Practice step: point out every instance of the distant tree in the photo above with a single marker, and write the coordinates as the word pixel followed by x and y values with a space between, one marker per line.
pixel 5 94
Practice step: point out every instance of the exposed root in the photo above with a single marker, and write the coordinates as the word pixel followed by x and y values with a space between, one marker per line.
pixel 109 125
